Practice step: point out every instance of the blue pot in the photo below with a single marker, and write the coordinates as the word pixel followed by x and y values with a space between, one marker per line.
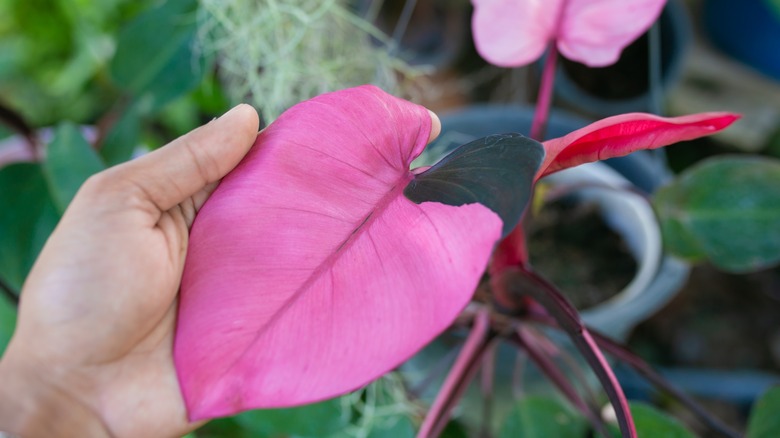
pixel 748 30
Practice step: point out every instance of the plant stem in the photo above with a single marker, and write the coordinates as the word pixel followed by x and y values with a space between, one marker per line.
pixel 487 378
pixel 437 369
pixel 525 339
pixel 459 377
pixel 15 121
pixel 654 67
pixel 630 358
pixel 542 113
pixel 645 370
pixel 568 319
pixel 9 293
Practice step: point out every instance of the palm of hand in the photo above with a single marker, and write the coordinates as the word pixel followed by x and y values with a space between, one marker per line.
pixel 114 340
pixel 98 310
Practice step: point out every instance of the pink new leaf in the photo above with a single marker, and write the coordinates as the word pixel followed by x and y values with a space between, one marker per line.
pixel 512 33
pixel 309 274
pixel 608 138
pixel 620 135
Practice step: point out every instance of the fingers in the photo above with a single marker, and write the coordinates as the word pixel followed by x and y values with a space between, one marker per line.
pixel 435 126
pixel 201 157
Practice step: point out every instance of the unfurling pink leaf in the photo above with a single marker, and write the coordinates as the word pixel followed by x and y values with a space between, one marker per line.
pixel 620 135
pixel 309 274
pixel 608 138
pixel 512 33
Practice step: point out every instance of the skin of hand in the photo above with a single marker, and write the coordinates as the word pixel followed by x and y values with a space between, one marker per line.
pixel 92 354
pixel 92 350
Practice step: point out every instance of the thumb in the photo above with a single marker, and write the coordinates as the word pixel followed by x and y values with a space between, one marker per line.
pixel 203 156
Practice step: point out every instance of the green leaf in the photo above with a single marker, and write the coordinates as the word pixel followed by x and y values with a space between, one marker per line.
pixel 496 171
pixel 314 420
pixel 775 6
pixel 122 139
pixel 155 61
pixel 454 429
pixel 223 427
pixel 541 417
pixel 764 420
pixel 27 218
pixel 7 323
pixel 725 209
pixel 70 160
pixel 651 422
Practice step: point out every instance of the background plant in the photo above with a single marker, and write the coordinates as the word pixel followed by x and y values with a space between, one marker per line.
pixel 277 53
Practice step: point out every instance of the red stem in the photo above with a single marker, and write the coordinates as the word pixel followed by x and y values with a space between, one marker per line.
pixel 542 113
pixel 458 378
pixel 625 355
pixel 526 340
pixel 645 370
pixel 568 319
pixel 487 378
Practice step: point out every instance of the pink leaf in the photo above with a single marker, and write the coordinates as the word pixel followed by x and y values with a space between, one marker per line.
pixel 512 33
pixel 608 138
pixel 620 135
pixel 309 274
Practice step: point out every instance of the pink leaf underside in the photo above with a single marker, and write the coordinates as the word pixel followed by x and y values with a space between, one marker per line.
pixel 621 135
pixel 309 274
pixel 512 33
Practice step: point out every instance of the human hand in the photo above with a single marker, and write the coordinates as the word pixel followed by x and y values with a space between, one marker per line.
pixel 92 351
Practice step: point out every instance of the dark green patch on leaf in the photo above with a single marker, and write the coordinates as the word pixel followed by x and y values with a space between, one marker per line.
pixel 496 171
pixel 7 322
pixel 155 61
pixel 122 138
pixel 541 417
pixel 27 217
pixel 314 420
pixel 725 209
pixel 651 422
pixel 70 160
pixel 765 419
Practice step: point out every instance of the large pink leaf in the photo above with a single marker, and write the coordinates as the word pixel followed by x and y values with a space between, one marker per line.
pixel 513 33
pixel 620 135
pixel 309 274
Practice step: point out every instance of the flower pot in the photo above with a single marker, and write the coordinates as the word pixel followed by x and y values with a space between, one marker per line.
pixel 748 30
pixel 625 86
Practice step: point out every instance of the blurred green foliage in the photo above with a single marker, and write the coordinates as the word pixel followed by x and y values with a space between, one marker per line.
pixel 83 85
pixel 540 417
pixel 725 209
pixel 764 420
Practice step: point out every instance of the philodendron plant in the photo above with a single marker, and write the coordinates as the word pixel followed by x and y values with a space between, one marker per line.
pixel 322 261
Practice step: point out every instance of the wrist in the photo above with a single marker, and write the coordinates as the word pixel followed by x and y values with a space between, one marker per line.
pixel 35 406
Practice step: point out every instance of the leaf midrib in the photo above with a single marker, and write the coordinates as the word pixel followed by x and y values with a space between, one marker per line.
pixel 330 261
